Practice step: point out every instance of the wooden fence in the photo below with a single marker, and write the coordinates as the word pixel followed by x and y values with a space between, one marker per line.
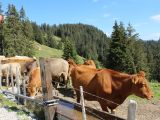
pixel 51 103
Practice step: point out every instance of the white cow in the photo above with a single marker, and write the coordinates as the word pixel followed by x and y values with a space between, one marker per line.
pixel 10 69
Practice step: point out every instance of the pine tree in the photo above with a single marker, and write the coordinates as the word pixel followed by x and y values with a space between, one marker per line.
pixel 37 34
pixel 153 57
pixel 22 13
pixel 27 33
pixel 131 37
pixel 69 50
pixel 119 58
pixel 157 60
pixel 17 34
pixel 12 31
pixel 136 50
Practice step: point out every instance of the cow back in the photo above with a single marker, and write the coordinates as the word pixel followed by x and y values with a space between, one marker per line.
pixel 57 66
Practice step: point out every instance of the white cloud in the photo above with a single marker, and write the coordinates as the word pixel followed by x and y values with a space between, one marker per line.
pixel 95 0
pixel 156 17
pixel 106 15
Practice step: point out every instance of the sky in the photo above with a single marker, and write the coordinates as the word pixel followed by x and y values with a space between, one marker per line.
pixel 143 15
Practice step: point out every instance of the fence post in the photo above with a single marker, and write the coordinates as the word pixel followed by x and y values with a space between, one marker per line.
pixel 12 82
pixel 17 80
pixel 132 110
pixel 24 87
pixel 46 78
pixel 82 102
pixel 17 83
pixel 7 79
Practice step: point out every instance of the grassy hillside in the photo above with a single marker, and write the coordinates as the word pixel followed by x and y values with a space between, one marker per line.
pixel 44 51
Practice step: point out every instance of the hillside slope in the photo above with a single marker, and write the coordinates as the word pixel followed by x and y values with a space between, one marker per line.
pixel 44 51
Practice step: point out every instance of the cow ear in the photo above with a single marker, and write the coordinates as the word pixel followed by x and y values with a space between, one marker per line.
pixel 135 79
pixel 141 73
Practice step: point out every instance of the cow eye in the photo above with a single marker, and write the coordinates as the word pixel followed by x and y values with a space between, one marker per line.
pixel 143 84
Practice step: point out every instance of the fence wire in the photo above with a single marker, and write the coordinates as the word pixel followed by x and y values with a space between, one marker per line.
pixel 90 94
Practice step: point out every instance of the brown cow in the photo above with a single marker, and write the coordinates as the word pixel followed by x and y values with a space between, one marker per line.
pixel 57 67
pixel 108 84
pixel 28 66
pixel 87 63
pixel 90 63
pixel 34 84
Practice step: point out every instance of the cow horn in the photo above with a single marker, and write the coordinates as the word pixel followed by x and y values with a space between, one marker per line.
pixel 135 80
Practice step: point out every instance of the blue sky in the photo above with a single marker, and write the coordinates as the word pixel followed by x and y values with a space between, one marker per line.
pixel 144 15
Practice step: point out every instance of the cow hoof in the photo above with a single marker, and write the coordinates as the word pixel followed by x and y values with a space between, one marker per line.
pixel 113 111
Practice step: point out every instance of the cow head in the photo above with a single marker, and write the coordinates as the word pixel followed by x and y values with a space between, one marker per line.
pixel 31 92
pixel 140 86
pixel 29 66
pixel 90 63
pixel 72 65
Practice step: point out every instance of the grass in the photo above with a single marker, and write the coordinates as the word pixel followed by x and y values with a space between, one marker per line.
pixel 156 90
pixel 12 106
pixel 6 102
pixel 44 51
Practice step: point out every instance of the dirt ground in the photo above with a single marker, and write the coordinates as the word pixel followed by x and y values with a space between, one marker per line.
pixel 146 110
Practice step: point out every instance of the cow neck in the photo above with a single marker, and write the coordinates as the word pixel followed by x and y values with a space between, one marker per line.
pixel 125 89
pixel 72 68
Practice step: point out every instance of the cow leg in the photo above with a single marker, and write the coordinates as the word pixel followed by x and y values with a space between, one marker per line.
pixel 57 85
pixel 103 106
pixel 113 111
pixel 64 79
pixel 78 96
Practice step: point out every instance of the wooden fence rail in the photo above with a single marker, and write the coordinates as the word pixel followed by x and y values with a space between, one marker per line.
pixel 24 97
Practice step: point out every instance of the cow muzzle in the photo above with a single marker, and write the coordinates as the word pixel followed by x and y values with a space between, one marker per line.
pixel 150 97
